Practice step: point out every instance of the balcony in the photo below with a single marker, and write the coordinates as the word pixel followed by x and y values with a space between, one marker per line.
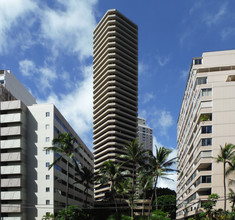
pixel 11 105
pixel 13 182
pixel 7 157
pixel 11 208
pixel 8 144
pixel 10 131
pixel 15 169
pixel 10 195
pixel 9 118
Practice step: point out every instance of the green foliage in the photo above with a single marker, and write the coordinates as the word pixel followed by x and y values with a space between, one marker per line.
pixel 123 217
pixel 86 178
pixel 208 206
pixel 226 156
pixel 167 203
pixel 231 198
pixel 72 213
pixel 48 216
pixel 161 167
pixel 63 145
pixel 159 215
pixel 205 117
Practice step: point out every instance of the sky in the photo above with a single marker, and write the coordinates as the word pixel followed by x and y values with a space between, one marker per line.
pixel 47 45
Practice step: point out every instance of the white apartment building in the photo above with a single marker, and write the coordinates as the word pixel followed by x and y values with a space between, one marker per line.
pixel 48 187
pixel 28 189
pixel 145 134
pixel 206 121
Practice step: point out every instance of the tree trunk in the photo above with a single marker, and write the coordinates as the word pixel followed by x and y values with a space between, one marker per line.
pixel 133 187
pixel 155 192
pixel 143 203
pixel 225 198
pixel 155 188
pixel 86 196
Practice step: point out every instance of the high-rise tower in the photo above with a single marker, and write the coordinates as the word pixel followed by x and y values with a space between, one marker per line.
pixel 115 87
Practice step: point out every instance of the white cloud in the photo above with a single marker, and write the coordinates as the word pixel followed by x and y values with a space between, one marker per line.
pixel 164 121
pixel 13 12
pixel 142 68
pixel 70 30
pixel 196 5
pixel 227 32
pixel 147 98
pixel 162 61
pixel 44 76
pixel 184 74
pixel 27 67
pixel 76 106
pixel 211 19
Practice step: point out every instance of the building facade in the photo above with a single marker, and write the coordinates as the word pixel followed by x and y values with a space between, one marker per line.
pixel 47 188
pixel 206 122
pixel 115 88
pixel 145 134
pixel 28 189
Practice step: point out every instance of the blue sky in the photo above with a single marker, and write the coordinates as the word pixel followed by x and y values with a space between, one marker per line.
pixel 47 45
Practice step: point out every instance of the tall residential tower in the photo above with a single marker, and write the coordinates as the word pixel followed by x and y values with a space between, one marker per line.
pixel 206 122
pixel 115 87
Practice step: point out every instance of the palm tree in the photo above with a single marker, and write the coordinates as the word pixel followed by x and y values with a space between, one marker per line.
pixel 145 183
pixel 110 173
pixel 226 156
pixel 63 145
pixel 86 178
pixel 161 167
pixel 136 157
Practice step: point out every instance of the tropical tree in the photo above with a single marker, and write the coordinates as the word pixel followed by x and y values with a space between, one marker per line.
pixel 145 183
pixel 86 178
pixel 63 147
pixel 135 157
pixel 110 174
pixel 209 204
pixel 161 166
pixel 226 156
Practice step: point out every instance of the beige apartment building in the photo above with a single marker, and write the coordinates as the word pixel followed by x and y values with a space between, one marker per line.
pixel 115 88
pixel 28 189
pixel 206 121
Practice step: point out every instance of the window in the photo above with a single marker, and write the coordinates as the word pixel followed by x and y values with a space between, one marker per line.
pixel 47 177
pixel 47 114
pixel 206 129
pixel 197 61
pixel 206 142
pixel 47 126
pixel 201 80
pixel 47 164
pixel 206 92
pixel 47 189
pixel 206 179
pixel 230 78
pixel 47 139
pixel 47 151
pixel 47 202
